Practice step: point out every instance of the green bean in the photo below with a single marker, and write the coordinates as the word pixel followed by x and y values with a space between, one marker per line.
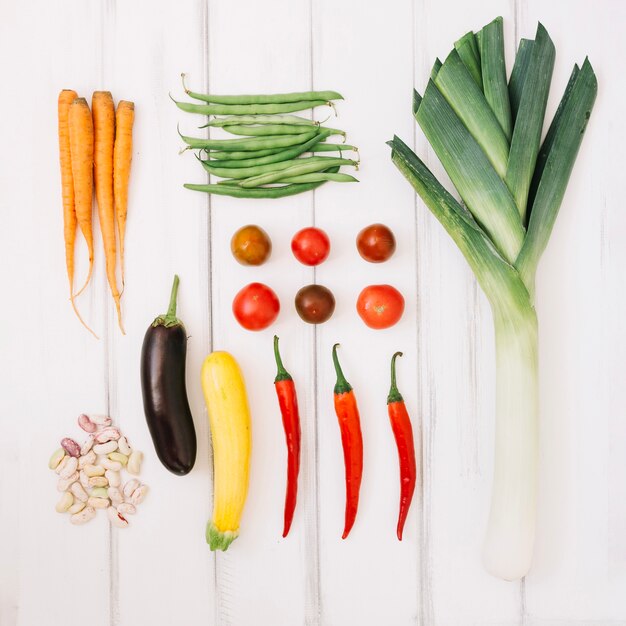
pixel 276 157
pixel 267 192
pixel 256 143
pixel 248 109
pixel 269 129
pixel 331 147
pixel 249 154
pixel 248 172
pixel 261 119
pixel 275 98
pixel 319 177
pixel 306 166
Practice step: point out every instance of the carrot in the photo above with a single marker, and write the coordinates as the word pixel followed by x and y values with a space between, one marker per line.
pixel 123 152
pixel 103 111
pixel 66 97
pixel 81 152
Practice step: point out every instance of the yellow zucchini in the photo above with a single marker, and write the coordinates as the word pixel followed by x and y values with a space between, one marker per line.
pixel 229 417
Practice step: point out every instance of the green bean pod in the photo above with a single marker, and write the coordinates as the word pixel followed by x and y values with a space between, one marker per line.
pixel 258 170
pixel 275 157
pixel 256 143
pixel 248 109
pixel 306 167
pixel 276 98
pixel 249 154
pixel 331 147
pixel 320 177
pixel 268 192
pixel 261 119
pixel 273 129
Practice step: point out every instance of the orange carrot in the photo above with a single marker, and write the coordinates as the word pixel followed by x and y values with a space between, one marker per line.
pixel 125 116
pixel 81 152
pixel 66 97
pixel 103 111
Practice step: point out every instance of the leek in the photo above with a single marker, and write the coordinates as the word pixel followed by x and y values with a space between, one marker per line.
pixel 487 135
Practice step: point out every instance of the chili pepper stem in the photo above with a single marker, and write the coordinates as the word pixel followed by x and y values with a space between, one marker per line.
pixel 170 319
pixel 394 394
pixel 282 373
pixel 342 385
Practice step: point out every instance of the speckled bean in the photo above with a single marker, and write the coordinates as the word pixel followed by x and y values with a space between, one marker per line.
pixel 87 514
pixel 86 424
pixel 139 495
pixel 65 483
pixel 134 462
pixel 126 508
pixel 56 458
pixel 116 518
pixel 87 445
pixel 130 487
pixel 100 420
pixel 79 492
pixel 98 503
pixel 94 470
pixel 70 446
pixel 70 467
pixel 123 446
pixel 114 466
pixel 105 448
pixel 98 481
pixel 77 507
pixel 115 495
pixel 66 501
pixel 107 434
pixel 87 459
pixel 113 477
pixel 83 479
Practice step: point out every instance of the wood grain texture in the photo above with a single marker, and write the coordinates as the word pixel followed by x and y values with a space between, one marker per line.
pixel 160 571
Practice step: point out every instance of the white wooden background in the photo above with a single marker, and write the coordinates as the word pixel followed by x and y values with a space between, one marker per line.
pixel 159 572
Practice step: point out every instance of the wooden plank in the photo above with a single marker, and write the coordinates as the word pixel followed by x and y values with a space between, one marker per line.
pixel 167 233
pixel 262 577
pixel 56 368
pixel 370 577
pixel 457 378
pixel 579 570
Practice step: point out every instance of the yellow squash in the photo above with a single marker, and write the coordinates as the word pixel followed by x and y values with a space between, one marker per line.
pixel 229 416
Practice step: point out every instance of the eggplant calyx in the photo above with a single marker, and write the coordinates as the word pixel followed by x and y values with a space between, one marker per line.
pixel 169 319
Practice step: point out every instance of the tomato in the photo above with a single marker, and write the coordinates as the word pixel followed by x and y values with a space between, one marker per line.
pixel 256 306
pixel 310 246
pixel 376 243
pixel 251 245
pixel 380 306
pixel 315 304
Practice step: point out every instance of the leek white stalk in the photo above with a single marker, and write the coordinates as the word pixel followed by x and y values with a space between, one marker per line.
pixel 487 134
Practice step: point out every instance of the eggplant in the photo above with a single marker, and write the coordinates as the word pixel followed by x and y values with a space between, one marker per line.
pixel 164 392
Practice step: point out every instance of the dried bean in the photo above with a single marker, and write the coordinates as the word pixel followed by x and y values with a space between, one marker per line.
pixel 114 466
pixel 65 483
pixel 77 507
pixel 94 470
pixel 98 481
pixel 86 424
pixel 113 477
pixel 126 508
pixel 79 492
pixel 66 501
pixel 83 479
pixel 87 446
pixel 87 459
pixel 115 495
pixel 139 495
pixel 98 503
pixel 116 519
pixel 100 420
pixel 123 446
pixel 70 446
pixel 56 458
pixel 70 466
pixel 134 462
pixel 87 514
pixel 119 457
pixel 130 487
pixel 105 448
pixel 108 434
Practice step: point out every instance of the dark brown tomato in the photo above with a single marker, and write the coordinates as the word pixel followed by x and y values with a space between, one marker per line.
pixel 315 304
pixel 376 243
pixel 251 245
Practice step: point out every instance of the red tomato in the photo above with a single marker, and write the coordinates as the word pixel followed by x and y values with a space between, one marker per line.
pixel 256 306
pixel 376 243
pixel 380 306
pixel 310 246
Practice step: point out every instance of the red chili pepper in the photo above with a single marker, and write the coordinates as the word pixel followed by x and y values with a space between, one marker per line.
pixel 403 433
pixel 351 440
pixel 288 402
